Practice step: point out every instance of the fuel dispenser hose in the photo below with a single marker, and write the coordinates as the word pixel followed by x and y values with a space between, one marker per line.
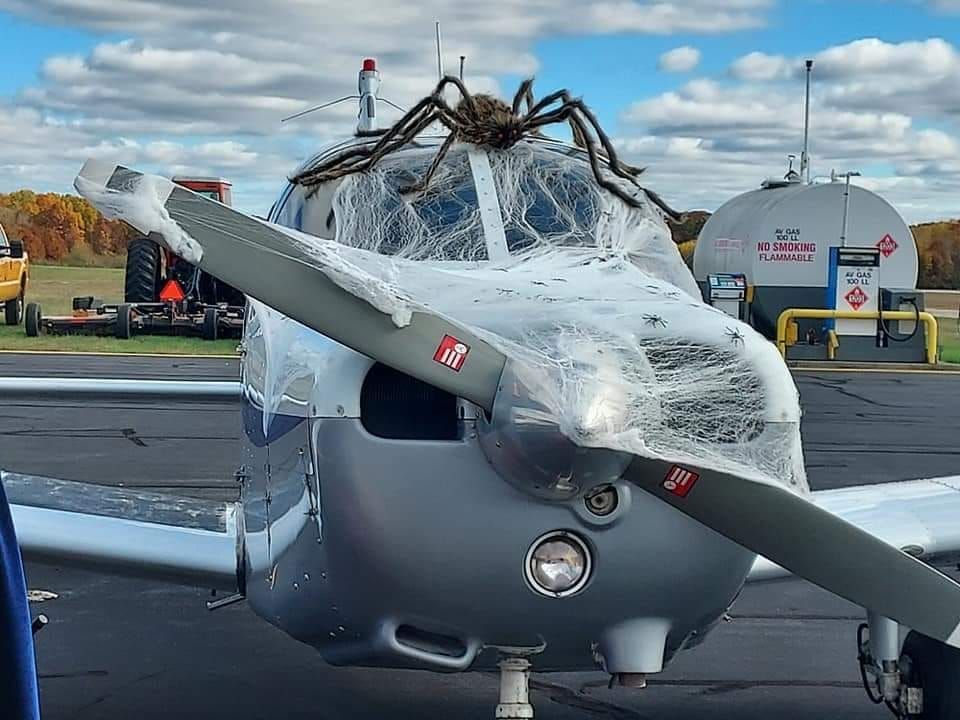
pixel 882 324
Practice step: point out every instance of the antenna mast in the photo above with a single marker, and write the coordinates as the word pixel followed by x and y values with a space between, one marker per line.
pixel 439 53
pixel 805 155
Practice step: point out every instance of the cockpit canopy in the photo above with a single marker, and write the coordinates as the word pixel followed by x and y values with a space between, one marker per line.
pixel 545 195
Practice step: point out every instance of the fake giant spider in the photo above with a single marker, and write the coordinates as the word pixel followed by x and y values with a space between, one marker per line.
pixel 487 121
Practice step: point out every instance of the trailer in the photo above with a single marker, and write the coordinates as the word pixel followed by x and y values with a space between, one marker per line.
pixel 91 316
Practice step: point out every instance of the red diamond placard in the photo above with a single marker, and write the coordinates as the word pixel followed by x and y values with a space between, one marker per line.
pixel 887 245
pixel 856 297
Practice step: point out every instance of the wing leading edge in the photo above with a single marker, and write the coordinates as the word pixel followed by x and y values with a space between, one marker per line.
pixel 921 517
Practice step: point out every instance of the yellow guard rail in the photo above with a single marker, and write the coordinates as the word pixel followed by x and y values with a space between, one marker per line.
pixel 790 314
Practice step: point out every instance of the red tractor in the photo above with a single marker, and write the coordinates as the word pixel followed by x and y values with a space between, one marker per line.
pixel 154 274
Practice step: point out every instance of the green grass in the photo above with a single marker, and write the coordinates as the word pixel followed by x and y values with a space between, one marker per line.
pixel 949 340
pixel 84 256
pixel 54 287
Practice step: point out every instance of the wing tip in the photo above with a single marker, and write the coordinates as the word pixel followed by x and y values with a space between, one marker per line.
pixel 954 639
pixel 97 171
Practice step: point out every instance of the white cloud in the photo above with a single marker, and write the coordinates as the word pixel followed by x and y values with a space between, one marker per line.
pixel 762 67
pixel 921 76
pixel 193 76
pixel 873 103
pixel 947 6
pixel 200 88
pixel 666 17
pixel 679 60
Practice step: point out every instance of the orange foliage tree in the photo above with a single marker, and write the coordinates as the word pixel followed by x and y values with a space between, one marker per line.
pixel 939 247
pixel 52 225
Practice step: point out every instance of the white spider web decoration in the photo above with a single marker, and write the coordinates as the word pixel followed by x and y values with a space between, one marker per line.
pixel 594 300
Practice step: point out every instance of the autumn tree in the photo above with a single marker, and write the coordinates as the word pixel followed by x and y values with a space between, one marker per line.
pixel 51 225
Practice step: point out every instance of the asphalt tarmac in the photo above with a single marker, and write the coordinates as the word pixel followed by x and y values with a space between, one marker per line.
pixel 119 648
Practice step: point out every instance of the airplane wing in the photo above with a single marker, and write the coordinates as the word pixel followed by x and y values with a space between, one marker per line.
pixel 396 318
pixel 125 531
pixel 916 516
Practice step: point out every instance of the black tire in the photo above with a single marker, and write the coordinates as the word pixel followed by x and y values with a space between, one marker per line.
pixel 211 319
pixel 33 320
pixel 13 310
pixel 123 327
pixel 142 277
pixel 934 667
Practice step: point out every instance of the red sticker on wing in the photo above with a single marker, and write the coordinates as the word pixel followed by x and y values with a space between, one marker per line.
pixel 451 353
pixel 680 481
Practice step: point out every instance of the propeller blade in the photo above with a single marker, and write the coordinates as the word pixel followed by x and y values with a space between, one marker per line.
pixel 810 542
pixel 266 263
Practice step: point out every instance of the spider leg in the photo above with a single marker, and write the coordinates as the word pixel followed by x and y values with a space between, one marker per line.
pixel 365 157
pixel 458 83
pixel 670 212
pixel 412 115
pixel 407 136
pixel 595 165
pixel 617 167
pixel 567 113
pixel 548 100
pixel 616 189
pixel 625 171
pixel 358 155
pixel 556 116
pixel 421 184
pixel 524 94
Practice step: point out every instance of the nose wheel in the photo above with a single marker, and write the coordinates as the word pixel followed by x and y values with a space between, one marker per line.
pixel 514 689
pixel 930 670
pixel 922 683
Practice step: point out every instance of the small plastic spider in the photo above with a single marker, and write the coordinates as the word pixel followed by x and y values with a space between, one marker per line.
pixel 484 120
pixel 736 337
pixel 654 321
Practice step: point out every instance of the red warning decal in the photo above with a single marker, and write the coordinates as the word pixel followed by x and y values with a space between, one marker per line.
pixel 680 481
pixel 451 353
pixel 857 298
pixel 887 245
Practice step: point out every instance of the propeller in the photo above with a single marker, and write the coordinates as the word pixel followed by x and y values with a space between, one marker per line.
pixel 765 517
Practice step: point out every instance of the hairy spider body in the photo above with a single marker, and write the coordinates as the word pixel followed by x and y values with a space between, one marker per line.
pixel 486 121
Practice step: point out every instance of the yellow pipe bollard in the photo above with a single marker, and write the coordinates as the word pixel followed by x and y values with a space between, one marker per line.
pixel 790 314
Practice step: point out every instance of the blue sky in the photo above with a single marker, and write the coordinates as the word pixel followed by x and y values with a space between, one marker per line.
pixel 27 44
pixel 604 68
pixel 177 87
pixel 608 68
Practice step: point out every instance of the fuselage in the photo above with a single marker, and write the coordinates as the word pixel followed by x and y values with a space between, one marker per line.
pixel 379 530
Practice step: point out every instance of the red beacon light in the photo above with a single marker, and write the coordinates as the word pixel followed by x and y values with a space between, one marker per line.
pixel 368 82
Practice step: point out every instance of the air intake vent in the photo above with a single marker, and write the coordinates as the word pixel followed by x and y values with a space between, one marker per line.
pixel 399 407
pixel 429 642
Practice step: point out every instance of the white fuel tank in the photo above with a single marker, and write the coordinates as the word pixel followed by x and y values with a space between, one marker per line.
pixel 780 236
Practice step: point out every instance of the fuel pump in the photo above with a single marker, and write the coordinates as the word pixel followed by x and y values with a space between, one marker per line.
pixel 728 292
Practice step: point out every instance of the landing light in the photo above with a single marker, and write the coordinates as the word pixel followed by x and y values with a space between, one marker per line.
pixel 558 564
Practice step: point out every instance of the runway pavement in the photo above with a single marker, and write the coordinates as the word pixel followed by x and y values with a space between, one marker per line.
pixel 119 648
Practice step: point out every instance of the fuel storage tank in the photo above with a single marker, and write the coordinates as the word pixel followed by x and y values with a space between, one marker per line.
pixel 780 237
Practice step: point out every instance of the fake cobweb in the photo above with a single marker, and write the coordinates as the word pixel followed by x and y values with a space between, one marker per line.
pixel 589 296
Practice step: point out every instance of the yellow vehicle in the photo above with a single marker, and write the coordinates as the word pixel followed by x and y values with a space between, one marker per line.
pixel 14 274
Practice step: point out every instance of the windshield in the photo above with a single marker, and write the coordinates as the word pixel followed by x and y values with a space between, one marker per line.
pixel 544 197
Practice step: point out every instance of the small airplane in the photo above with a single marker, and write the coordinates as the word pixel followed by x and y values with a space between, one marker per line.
pixel 490 424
